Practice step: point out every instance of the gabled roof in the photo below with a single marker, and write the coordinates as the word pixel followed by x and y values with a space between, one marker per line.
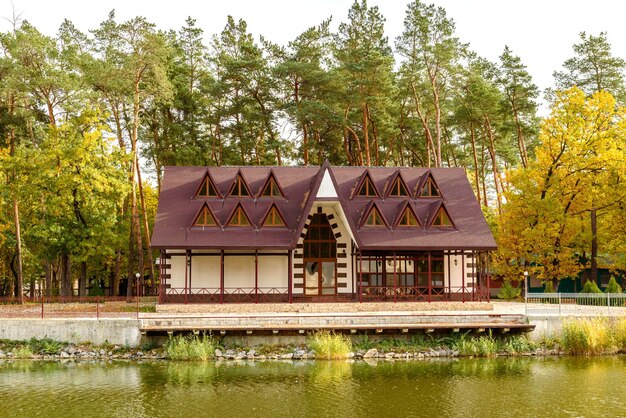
pixel 178 209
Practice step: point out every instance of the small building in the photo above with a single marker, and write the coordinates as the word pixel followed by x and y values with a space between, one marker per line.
pixel 313 234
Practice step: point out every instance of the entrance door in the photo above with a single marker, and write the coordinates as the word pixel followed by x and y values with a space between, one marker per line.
pixel 320 258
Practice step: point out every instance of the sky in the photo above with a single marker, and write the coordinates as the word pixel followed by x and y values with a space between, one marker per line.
pixel 541 32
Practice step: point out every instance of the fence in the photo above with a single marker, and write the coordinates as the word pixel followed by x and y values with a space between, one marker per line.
pixel 565 304
pixel 98 307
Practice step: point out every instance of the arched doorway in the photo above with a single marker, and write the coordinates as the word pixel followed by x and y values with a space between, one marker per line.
pixel 320 258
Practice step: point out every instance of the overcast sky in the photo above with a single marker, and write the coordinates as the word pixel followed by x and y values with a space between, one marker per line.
pixel 541 32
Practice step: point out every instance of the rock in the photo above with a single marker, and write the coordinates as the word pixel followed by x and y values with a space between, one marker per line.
pixel 389 355
pixel 455 353
pixel 288 356
pixel 230 352
pixel 2 354
pixel 218 353
pixel 372 352
pixel 71 350
pixel 102 352
pixel 241 354
pixel 64 354
pixel 350 355
pixel 420 355
pixel 252 353
pixel 140 354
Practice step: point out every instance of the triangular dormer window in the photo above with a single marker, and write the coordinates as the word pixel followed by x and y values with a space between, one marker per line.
pixel 374 218
pixel 240 188
pixel 207 188
pixel 408 218
pixel 239 218
pixel 271 188
pixel 430 189
pixel 398 188
pixel 367 188
pixel 274 218
pixel 442 219
pixel 205 217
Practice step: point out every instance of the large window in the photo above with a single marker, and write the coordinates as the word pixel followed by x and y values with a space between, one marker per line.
pixel 404 271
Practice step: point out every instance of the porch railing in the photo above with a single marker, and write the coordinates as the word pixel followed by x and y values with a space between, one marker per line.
pixel 424 293
pixel 565 304
pixel 228 295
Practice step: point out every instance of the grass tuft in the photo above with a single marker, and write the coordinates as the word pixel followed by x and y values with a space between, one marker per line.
pixel 329 346
pixel 191 347
pixel 587 336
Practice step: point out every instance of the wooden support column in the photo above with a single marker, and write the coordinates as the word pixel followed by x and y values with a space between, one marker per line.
pixel 290 276
pixel 161 277
pixel 463 276
pixel 256 276
pixel 430 279
pixel 449 275
pixel 474 275
pixel 221 276
pixel 488 277
pixel 187 274
pixel 395 278
pixel 360 277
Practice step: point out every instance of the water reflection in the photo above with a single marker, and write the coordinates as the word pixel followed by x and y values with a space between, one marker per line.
pixel 443 388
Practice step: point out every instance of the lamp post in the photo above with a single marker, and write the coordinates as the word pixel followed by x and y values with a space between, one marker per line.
pixel 137 276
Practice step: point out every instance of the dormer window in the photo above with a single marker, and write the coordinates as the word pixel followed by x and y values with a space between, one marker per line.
pixel 239 218
pixel 367 188
pixel 274 218
pixel 374 218
pixel 430 189
pixel 240 188
pixel 408 218
pixel 271 188
pixel 442 219
pixel 398 188
pixel 207 188
pixel 205 218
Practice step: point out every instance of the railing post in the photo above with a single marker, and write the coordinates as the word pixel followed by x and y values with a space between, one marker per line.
pixel 608 303
pixel 97 307
pixel 42 302
pixel 560 304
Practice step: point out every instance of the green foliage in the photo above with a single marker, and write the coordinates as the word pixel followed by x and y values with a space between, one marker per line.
pixel 329 346
pixel 45 346
pixel 23 352
pixel 548 287
pixel 613 287
pixel 590 286
pixel 191 347
pixel 508 291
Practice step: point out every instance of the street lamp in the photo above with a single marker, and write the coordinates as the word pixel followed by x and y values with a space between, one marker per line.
pixel 137 276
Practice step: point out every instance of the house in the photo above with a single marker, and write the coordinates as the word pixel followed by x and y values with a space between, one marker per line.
pixel 295 234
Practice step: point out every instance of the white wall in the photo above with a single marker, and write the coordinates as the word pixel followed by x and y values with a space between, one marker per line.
pixel 239 271
pixel 456 279
pixel 177 272
pixel 273 271
pixel 205 271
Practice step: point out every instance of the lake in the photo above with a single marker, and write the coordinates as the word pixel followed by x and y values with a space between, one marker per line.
pixel 507 387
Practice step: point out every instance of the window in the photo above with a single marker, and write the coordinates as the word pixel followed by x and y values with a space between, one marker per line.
pixel 207 189
pixel 273 218
pixel 442 219
pixel 367 187
pixel 374 218
pixel 239 218
pixel 408 218
pixel 240 188
pixel 205 218
pixel 398 188
pixel 271 188
pixel 430 189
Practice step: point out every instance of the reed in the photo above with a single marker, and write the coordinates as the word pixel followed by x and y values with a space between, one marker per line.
pixel 191 347
pixel 587 336
pixel 329 346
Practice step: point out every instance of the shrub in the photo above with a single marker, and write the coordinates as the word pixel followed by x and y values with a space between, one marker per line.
pixel 619 333
pixel 549 287
pixel 586 336
pixel 508 291
pixel 191 347
pixel 591 287
pixel 45 346
pixel 483 346
pixel 613 287
pixel 23 352
pixel 330 346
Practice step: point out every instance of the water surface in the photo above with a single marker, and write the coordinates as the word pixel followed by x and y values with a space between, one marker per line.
pixel 520 387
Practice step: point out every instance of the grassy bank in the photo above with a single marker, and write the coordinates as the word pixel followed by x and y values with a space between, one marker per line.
pixel 591 336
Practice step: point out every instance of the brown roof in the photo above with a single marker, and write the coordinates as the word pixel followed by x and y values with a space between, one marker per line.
pixel 178 208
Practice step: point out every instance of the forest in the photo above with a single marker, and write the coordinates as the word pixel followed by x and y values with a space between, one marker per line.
pixel 89 119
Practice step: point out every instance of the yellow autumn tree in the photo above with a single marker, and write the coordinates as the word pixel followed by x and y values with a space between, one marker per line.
pixel 557 209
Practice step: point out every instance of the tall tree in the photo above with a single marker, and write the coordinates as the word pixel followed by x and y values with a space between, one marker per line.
pixel 365 68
